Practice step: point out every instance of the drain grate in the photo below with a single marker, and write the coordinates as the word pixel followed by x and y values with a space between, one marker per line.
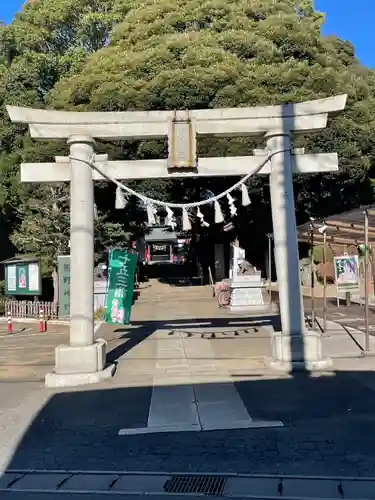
pixel 205 485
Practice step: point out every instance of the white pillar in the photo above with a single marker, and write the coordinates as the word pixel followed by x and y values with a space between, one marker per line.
pixel 285 235
pixel 82 242
pixel 83 361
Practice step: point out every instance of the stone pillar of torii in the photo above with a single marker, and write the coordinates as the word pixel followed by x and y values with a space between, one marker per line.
pixel 84 359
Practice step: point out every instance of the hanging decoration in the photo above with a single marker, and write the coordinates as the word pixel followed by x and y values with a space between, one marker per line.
pixel 151 204
pixel 201 217
pixel 245 196
pixel 186 224
pixel 151 212
pixel 121 200
pixel 219 218
pixel 171 219
pixel 232 206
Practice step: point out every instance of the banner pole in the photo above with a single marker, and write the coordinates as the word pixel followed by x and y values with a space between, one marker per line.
pixel 367 332
pixel 325 281
pixel 312 278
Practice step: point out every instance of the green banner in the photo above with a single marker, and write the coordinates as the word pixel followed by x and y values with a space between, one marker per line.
pixel 121 272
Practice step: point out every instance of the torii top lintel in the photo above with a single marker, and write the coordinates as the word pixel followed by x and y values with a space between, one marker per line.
pixel 301 117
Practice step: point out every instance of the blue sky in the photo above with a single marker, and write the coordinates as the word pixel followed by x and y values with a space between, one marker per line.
pixel 348 21
pixel 352 20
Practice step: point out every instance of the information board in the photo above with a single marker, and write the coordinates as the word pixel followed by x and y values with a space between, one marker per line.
pixel 347 273
pixel 22 278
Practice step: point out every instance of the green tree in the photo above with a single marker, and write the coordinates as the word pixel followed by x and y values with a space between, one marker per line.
pixel 43 43
pixel 215 53
pixel 44 229
pixel 142 54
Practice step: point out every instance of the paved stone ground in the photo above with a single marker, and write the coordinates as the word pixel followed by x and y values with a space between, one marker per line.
pixel 351 316
pixel 26 354
pixel 329 419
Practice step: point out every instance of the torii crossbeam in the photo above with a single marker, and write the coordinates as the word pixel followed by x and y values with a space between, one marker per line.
pixel 83 360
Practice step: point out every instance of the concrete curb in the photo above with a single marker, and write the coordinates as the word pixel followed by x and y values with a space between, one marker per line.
pixel 3 319
pixel 173 485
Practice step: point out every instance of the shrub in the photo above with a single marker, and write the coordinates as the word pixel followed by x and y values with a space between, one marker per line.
pixel 99 314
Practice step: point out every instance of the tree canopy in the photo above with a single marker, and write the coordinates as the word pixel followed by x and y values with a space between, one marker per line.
pixel 178 54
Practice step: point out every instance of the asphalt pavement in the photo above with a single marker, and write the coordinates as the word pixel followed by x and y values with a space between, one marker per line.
pixel 329 419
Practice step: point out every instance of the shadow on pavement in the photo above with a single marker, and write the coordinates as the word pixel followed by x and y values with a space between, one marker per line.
pixel 141 330
pixel 329 423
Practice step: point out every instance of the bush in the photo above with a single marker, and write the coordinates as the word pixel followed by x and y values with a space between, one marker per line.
pixel 99 314
pixel 2 298
pixel 318 254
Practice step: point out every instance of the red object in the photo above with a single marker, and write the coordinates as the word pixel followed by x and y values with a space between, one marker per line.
pixel 10 326
pixel 147 254
pixel 41 320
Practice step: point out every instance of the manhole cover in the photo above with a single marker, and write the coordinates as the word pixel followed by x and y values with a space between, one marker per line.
pixel 205 485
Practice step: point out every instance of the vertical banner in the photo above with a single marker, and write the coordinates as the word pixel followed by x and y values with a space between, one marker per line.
pixel 63 265
pixel 121 272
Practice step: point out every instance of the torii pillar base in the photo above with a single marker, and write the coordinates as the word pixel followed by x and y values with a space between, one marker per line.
pixel 80 365
pixel 298 353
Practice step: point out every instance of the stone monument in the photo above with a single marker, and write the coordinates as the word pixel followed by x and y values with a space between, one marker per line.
pixel 247 293
pixel 246 284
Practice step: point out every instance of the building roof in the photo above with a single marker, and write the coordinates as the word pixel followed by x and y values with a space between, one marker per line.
pixel 20 260
pixel 347 228
pixel 160 234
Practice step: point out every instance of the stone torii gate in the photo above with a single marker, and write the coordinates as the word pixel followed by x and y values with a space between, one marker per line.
pixel 84 359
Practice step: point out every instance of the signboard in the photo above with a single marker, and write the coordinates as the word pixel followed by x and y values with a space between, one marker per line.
pixel 63 265
pixel 159 248
pixel 121 272
pixel 347 273
pixel 22 277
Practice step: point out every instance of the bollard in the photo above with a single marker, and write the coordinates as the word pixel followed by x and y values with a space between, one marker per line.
pixel 41 321
pixel 10 326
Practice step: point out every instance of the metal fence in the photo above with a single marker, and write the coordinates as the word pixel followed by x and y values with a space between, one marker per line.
pixel 30 309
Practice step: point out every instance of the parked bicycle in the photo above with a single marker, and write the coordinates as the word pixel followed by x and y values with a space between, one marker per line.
pixel 223 293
